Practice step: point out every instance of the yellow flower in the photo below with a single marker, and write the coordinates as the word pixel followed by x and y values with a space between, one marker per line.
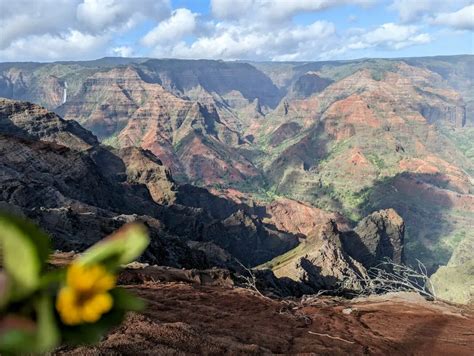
pixel 85 297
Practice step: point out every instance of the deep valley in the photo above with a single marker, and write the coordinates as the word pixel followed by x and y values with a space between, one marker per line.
pixel 287 195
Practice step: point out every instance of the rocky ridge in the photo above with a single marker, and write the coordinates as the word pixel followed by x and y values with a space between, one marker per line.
pixel 334 260
pixel 81 193
pixel 350 137
pixel 80 196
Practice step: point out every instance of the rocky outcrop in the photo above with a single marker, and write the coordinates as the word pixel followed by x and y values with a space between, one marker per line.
pixel 29 121
pixel 455 115
pixel 143 167
pixel 298 217
pixel 377 237
pixel 333 260
pixel 284 132
pixel 327 266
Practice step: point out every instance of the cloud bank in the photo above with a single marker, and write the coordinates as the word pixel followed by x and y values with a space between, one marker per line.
pixel 49 30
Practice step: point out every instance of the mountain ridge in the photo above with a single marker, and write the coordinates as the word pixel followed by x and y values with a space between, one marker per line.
pixel 343 135
pixel 79 193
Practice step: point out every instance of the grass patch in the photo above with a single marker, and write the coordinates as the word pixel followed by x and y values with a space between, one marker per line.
pixel 283 260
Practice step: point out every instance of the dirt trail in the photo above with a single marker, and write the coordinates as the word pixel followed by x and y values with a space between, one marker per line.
pixel 184 318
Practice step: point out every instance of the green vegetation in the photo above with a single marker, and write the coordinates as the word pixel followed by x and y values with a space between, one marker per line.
pixel 378 67
pixel 463 138
pixel 282 260
pixel 376 160
pixel 456 238
pixel 112 141
pixel 455 283
pixel 84 295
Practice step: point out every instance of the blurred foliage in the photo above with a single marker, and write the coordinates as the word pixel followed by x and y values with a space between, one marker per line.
pixel 29 291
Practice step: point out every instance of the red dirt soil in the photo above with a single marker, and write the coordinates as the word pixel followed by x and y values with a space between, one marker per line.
pixel 185 318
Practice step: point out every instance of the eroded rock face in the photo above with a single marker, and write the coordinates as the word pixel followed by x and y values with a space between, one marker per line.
pixel 143 167
pixel 66 194
pixel 455 115
pixel 29 121
pixel 355 137
pixel 376 139
pixel 124 107
pixel 333 260
pixel 81 193
pixel 299 217
pixel 327 266
pixel 307 85
pixel 377 237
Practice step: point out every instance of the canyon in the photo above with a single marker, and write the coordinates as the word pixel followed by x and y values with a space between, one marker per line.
pixel 261 163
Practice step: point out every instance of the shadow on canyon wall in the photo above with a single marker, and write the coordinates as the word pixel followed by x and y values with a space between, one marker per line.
pixel 431 213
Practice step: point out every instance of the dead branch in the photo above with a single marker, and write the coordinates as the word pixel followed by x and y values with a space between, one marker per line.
pixel 250 281
pixel 391 277
pixel 331 337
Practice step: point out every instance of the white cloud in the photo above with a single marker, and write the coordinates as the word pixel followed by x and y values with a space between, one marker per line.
pixel 387 36
pixel 415 10
pixel 98 15
pixel 123 51
pixel 23 18
pixel 235 29
pixel 275 10
pixel 230 41
pixel 462 19
pixel 226 9
pixel 395 36
pixel 181 23
pixel 69 46
pixel 74 26
pixel 410 10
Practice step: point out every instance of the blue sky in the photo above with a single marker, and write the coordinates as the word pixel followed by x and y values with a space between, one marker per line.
pixel 48 30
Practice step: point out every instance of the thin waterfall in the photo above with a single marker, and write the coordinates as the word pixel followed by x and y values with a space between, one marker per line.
pixel 65 92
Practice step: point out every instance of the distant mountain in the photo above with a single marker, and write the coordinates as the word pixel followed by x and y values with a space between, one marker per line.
pixel 350 137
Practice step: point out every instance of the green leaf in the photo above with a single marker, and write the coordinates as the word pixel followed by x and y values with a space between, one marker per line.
pixel 127 301
pixel 4 288
pixel 120 248
pixel 47 335
pixel 24 250
pixel 52 278
pixel 15 341
pixel 21 335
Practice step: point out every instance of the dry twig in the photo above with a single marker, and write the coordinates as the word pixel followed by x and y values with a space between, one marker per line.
pixel 331 337
pixel 391 277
